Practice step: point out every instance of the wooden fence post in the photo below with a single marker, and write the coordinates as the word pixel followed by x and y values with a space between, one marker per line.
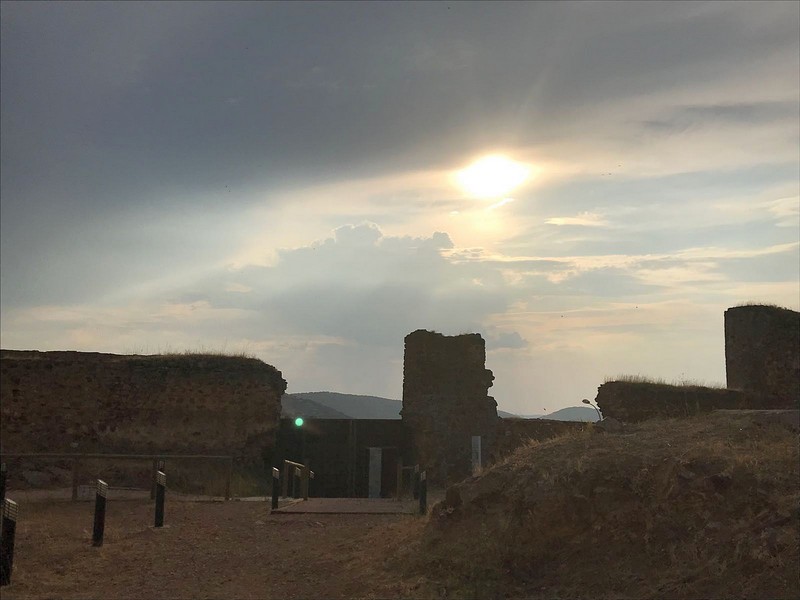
pixel 10 514
pixel 99 513
pixel 161 488
pixel 276 487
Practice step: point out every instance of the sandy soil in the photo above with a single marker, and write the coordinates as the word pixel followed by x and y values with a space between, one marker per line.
pixel 207 550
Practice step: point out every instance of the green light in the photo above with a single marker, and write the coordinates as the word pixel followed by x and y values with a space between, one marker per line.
pixel 298 422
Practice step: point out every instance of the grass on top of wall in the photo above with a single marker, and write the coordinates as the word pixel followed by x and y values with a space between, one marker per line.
pixel 202 351
pixel 763 305
pixel 643 379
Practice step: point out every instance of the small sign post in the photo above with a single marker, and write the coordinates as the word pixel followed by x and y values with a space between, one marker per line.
pixel 161 487
pixel 99 513
pixel 10 514
pixel 423 493
pixel 276 487
pixel 416 482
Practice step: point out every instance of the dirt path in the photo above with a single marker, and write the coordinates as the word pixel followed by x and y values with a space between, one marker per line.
pixel 208 550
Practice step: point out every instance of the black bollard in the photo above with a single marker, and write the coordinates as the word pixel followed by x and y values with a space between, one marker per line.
pixel 416 482
pixel 10 514
pixel 423 493
pixel 3 475
pixel 161 488
pixel 276 487
pixel 99 513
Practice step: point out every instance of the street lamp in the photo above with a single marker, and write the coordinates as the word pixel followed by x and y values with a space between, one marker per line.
pixel 599 416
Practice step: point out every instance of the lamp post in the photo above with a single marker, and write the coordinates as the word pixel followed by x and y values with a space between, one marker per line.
pixel 599 416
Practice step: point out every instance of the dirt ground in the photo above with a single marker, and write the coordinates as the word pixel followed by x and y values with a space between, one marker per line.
pixel 207 550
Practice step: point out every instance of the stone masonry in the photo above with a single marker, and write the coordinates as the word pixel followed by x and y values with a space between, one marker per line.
pixel 762 351
pixel 91 402
pixel 446 401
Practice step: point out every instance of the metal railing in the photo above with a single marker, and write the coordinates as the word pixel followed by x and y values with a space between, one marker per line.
pixel 296 471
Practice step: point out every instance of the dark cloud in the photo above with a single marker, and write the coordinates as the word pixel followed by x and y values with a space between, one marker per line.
pixel 148 146
pixel 745 114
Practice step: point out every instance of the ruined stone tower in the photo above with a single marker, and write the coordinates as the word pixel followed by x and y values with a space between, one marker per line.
pixel 446 401
pixel 762 351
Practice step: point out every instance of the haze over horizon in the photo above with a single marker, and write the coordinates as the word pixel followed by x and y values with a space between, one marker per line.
pixel 589 185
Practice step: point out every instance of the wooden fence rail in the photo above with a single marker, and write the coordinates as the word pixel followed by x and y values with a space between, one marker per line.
pixel 77 458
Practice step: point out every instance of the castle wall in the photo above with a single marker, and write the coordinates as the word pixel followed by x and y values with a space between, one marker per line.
pixel 762 351
pixel 446 401
pixel 90 402
pixel 630 402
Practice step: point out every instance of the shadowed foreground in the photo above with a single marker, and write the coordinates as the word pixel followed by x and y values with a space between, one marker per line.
pixel 693 508
pixel 706 507
pixel 208 550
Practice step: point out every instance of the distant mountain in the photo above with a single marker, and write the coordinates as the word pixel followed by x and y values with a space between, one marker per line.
pixel 352 406
pixel 333 405
pixel 293 406
pixel 572 413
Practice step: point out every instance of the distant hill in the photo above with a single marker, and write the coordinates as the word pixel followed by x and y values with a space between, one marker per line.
pixel 572 413
pixel 293 406
pixel 333 405
pixel 352 406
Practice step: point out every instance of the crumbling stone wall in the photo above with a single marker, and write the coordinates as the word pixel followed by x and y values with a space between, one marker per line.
pixel 762 351
pixel 90 402
pixel 631 401
pixel 446 401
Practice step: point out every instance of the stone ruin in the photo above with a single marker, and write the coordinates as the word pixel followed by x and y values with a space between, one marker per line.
pixel 64 402
pixel 762 363
pixel 762 351
pixel 446 401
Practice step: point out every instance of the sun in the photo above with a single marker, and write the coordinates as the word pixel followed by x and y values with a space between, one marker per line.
pixel 492 176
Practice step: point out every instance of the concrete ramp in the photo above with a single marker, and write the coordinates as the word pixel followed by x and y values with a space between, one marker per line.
pixel 350 506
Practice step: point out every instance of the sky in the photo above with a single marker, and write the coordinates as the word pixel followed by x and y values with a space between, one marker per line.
pixel 587 185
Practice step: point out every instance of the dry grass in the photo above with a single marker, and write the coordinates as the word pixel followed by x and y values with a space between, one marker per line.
pixel 693 383
pixel 704 507
pixel 202 352
pixel 762 305
pixel 208 550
